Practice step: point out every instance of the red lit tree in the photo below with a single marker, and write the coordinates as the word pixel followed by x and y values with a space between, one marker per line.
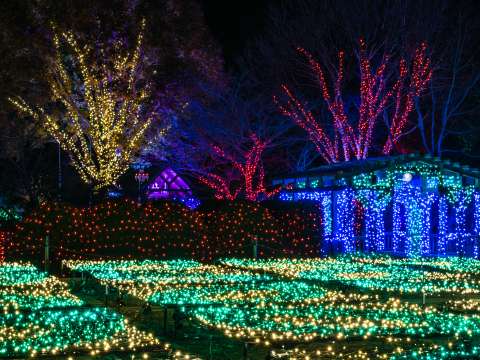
pixel 231 141
pixel 350 136
pixel 250 173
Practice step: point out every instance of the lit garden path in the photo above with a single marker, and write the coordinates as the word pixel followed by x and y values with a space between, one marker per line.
pixel 41 317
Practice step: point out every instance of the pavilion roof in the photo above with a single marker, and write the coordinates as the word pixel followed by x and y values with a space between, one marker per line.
pixel 352 168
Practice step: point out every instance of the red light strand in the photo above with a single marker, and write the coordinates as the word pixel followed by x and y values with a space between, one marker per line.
pixel 355 141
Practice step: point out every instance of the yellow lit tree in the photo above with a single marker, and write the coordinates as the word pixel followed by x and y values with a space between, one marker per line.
pixel 105 117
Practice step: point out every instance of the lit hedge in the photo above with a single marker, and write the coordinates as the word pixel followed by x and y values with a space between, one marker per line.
pixel 125 229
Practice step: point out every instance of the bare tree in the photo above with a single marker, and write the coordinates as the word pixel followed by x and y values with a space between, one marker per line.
pixel 451 104
pixel 353 139
pixel 391 27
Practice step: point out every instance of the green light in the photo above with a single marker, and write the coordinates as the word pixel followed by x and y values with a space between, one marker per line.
pixel 41 316
pixel 303 300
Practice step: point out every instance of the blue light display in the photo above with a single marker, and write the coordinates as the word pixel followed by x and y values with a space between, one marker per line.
pixel 429 214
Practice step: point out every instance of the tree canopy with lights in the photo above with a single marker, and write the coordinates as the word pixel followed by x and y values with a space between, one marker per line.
pixel 104 115
pixel 248 164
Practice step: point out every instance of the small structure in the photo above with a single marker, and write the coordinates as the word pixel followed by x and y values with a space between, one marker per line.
pixel 168 185
pixel 409 205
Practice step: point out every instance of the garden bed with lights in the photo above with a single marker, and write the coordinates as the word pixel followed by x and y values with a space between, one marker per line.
pixel 316 308
pixel 41 317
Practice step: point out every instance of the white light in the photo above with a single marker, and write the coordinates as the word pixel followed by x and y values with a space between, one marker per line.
pixel 407 177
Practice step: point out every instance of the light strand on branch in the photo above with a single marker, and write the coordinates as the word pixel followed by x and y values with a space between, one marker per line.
pixel 420 77
pixel 350 139
pixel 105 119
pixel 250 168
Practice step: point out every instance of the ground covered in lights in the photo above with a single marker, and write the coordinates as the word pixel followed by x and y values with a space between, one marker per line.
pixel 349 307
pixel 41 317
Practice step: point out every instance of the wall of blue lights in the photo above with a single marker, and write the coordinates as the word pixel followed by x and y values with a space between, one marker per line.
pixel 410 209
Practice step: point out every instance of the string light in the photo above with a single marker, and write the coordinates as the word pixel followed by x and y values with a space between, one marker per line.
pixel 9 214
pixel 362 272
pixel 3 240
pixel 420 77
pixel 375 204
pixel 104 124
pixel 250 167
pixel 418 205
pixel 120 229
pixel 344 220
pixel 297 301
pixel 41 317
pixel 476 220
pixel 348 141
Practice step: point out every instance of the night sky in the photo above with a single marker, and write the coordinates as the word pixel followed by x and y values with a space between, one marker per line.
pixel 234 23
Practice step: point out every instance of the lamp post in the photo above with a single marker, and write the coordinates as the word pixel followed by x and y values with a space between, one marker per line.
pixel 141 176
pixel 59 171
